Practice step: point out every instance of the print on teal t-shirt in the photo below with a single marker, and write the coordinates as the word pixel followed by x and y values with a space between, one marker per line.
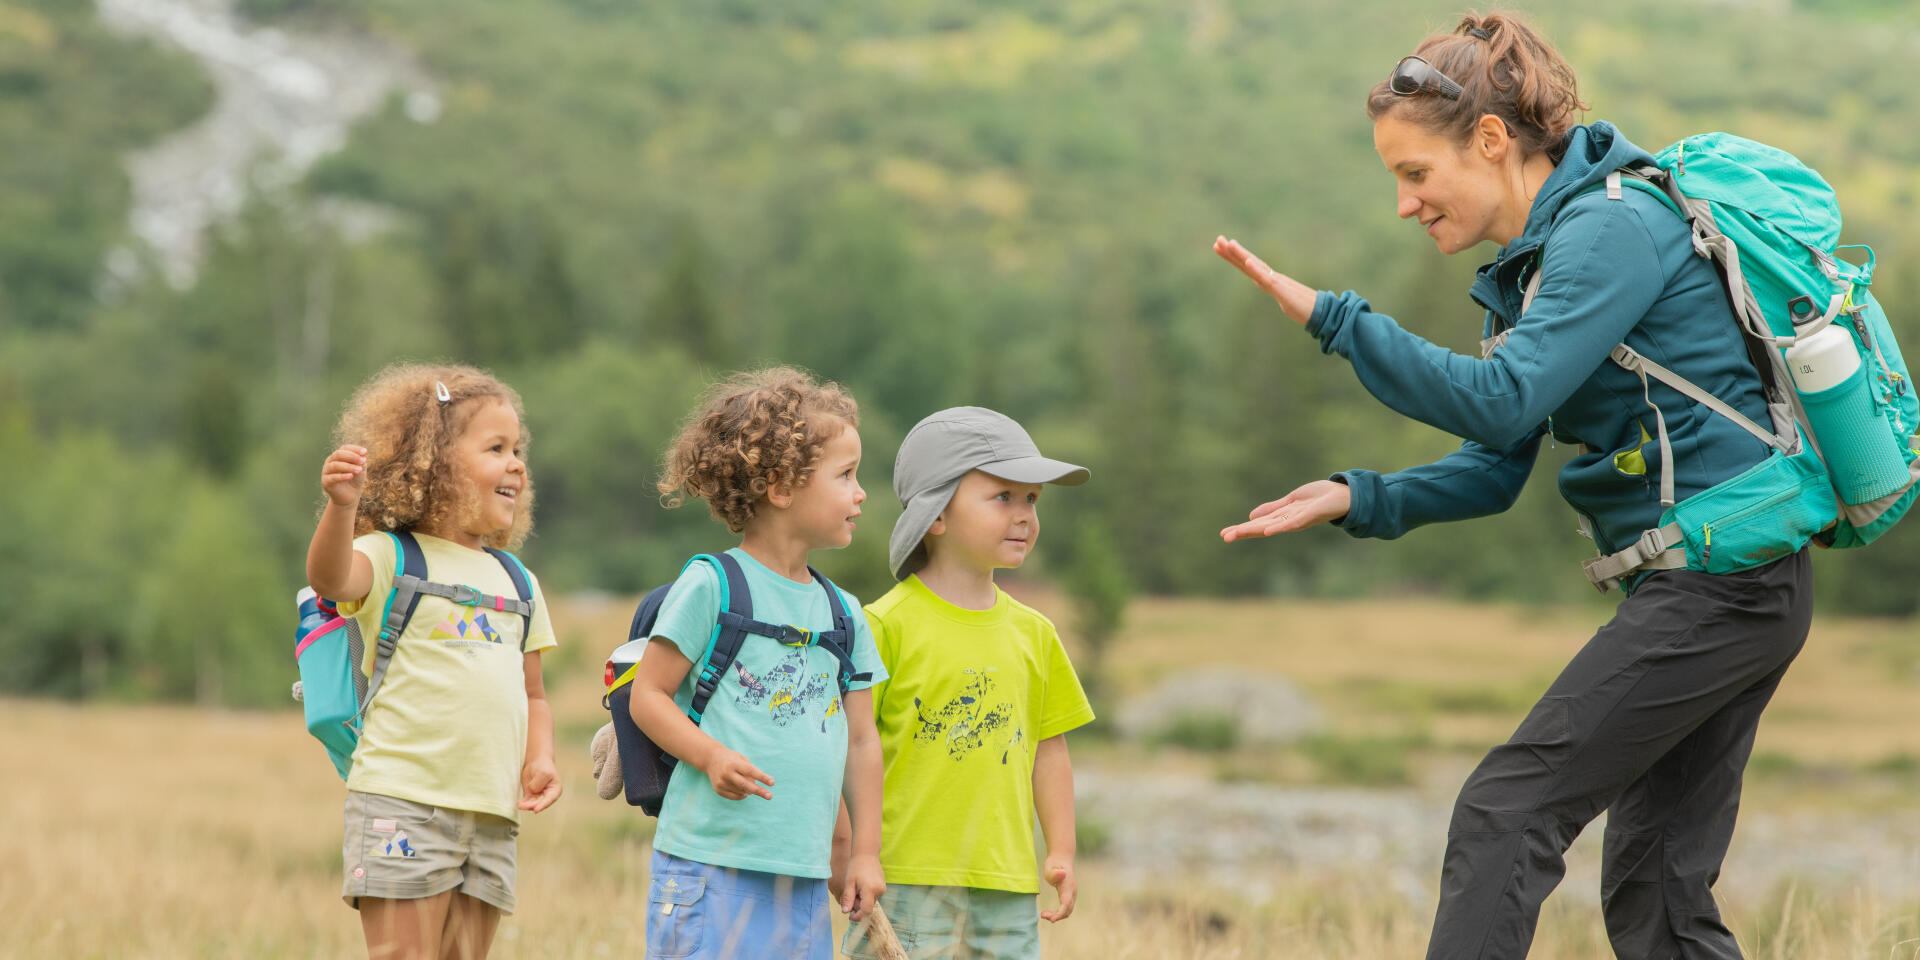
pixel 779 706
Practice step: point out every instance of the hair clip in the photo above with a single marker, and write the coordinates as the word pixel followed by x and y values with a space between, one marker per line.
pixel 1479 33
pixel 440 391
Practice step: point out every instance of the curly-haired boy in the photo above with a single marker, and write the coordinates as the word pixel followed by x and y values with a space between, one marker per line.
pixel 742 850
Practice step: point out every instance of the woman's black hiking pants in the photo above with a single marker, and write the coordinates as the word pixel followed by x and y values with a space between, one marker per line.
pixel 1652 721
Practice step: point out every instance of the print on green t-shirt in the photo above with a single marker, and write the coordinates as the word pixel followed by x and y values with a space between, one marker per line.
pixel 980 715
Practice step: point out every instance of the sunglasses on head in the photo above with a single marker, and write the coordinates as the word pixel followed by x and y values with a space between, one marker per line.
pixel 1413 75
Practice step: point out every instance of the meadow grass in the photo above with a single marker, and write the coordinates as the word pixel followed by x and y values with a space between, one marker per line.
pixel 144 831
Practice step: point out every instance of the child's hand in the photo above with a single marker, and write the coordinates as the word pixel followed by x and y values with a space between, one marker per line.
pixel 1059 874
pixel 864 884
pixel 540 785
pixel 341 475
pixel 734 777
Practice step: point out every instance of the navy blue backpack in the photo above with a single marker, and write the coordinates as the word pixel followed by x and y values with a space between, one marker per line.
pixel 645 767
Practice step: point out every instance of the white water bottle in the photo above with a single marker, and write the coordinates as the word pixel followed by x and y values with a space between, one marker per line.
pixel 1823 360
pixel 1862 454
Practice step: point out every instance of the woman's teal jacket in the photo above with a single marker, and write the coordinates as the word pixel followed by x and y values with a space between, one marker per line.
pixel 1612 271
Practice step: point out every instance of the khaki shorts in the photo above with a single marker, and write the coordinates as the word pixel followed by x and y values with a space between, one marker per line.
pixel 401 850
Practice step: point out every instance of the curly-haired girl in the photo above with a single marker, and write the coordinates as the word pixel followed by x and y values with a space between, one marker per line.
pixel 774 454
pixel 459 739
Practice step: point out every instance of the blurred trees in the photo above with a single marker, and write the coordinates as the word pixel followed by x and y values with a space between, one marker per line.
pixel 985 204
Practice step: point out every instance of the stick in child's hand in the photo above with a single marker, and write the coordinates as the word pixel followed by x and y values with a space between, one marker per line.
pixel 880 935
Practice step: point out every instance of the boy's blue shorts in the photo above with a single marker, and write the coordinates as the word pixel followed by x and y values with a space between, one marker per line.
pixel 701 912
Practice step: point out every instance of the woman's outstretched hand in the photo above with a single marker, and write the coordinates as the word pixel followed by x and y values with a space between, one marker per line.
pixel 1309 505
pixel 1294 297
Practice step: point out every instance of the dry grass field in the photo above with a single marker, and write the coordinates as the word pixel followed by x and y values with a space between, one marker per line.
pixel 178 832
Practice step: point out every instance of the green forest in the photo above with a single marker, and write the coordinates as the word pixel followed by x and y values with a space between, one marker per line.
pixel 998 203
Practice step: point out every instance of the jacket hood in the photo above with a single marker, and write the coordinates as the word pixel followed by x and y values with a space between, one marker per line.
pixel 1593 151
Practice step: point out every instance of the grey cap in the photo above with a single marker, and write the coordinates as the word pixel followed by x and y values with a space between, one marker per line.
pixel 946 446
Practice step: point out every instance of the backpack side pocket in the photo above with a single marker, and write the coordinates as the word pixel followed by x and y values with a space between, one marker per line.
pixel 331 687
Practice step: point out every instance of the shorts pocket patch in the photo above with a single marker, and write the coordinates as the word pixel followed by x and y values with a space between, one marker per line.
pixel 392 825
pixel 390 843
pixel 675 920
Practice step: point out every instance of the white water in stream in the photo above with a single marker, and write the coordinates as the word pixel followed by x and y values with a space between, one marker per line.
pixel 284 100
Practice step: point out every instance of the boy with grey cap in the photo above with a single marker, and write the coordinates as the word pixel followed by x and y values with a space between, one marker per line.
pixel 980 696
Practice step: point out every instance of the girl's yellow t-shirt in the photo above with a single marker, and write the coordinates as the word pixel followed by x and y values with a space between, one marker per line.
pixel 448 726
pixel 968 696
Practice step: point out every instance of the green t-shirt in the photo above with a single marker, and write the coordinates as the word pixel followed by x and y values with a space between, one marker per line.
pixel 969 695
pixel 778 706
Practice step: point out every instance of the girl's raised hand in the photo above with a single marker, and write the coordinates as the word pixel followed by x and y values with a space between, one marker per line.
pixel 342 474
pixel 1308 505
pixel 1294 297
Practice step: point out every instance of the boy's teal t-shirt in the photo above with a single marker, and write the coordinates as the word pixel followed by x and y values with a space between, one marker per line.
pixel 779 706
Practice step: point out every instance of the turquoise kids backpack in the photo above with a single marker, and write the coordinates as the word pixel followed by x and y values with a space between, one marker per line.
pixel 328 647
pixel 1843 410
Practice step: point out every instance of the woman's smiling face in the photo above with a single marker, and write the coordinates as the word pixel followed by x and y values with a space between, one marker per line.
pixel 1453 190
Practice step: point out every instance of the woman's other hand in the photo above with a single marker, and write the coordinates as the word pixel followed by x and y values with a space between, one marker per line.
pixel 1294 297
pixel 1310 505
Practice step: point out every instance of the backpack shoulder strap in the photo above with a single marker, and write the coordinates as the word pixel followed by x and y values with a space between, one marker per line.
pixel 1648 179
pixel 839 640
pixel 729 631
pixel 522 585
pixel 409 573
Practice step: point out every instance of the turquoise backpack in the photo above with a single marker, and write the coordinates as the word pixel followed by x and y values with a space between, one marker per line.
pixel 328 649
pixel 1846 457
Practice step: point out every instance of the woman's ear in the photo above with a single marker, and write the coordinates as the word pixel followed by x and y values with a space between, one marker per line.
pixel 1492 137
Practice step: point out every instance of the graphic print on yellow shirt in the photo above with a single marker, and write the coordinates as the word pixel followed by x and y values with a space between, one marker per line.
pixel 469 624
pixel 977 717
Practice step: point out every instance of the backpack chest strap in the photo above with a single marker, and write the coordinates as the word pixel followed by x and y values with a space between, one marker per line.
pixel 837 642
pixel 787 633
pixel 466 596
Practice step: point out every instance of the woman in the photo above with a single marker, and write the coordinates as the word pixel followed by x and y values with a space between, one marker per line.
pixel 1653 720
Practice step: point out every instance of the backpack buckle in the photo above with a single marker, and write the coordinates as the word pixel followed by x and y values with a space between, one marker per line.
pixel 466 596
pixel 795 636
pixel 1652 543
pixel 706 683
